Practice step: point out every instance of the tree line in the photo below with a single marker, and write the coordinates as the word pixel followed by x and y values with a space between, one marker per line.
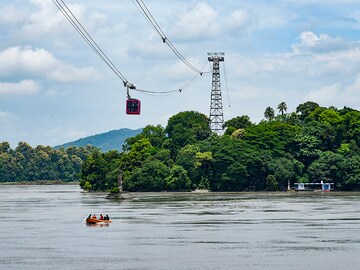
pixel 312 144
pixel 28 164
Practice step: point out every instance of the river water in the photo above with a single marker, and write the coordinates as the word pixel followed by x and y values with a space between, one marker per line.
pixel 42 227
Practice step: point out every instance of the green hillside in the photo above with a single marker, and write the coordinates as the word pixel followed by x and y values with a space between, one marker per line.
pixel 112 140
pixel 309 145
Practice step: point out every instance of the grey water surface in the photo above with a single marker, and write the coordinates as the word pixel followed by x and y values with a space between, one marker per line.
pixel 42 227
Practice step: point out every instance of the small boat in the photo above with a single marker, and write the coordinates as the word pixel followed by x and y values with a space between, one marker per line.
pixel 97 221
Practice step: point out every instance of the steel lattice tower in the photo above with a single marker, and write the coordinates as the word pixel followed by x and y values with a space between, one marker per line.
pixel 216 108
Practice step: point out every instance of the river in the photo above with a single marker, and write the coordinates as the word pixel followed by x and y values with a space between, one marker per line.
pixel 42 227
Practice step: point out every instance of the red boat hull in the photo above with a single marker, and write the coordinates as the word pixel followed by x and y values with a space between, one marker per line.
pixel 97 221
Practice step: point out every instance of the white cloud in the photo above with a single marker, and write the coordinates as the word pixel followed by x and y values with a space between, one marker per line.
pixel 12 15
pixel 202 21
pixel 178 71
pixel 25 87
pixel 239 19
pixel 351 55
pixel 199 22
pixel 61 134
pixel 316 57
pixel 67 73
pixel 326 94
pixel 273 16
pixel 249 93
pixel 337 94
pixel 254 35
pixel 311 43
pixel 323 2
pixel 150 50
pixel 47 19
pixel 6 120
pixel 5 116
pixel 42 63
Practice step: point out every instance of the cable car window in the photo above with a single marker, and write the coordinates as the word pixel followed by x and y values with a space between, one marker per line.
pixel 132 106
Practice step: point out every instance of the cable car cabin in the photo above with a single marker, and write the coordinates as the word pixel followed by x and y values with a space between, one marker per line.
pixel 132 106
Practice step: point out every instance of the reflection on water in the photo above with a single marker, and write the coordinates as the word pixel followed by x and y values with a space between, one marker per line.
pixel 97 224
pixel 43 227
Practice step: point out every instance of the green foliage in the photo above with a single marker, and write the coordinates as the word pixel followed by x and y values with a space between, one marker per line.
pixel 101 170
pixel 235 166
pixel 115 190
pixel 328 167
pixel 187 128
pixel 186 158
pixel 86 186
pixel 28 164
pixel 151 176
pixel 178 179
pixel 283 170
pixel 155 135
pixel 279 137
pixel 312 144
pixel 282 107
pixel 269 113
pixel 239 122
pixel 304 109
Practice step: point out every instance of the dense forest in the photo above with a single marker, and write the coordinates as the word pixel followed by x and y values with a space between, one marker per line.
pixel 312 144
pixel 27 164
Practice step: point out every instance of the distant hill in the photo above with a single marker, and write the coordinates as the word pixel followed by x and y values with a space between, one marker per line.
pixel 112 140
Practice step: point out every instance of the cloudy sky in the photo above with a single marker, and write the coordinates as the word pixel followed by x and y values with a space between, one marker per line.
pixel 55 89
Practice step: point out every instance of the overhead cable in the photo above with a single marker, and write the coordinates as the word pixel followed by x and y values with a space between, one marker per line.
pixel 69 15
pixel 227 89
pixel 65 10
pixel 170 91
pixel 148 16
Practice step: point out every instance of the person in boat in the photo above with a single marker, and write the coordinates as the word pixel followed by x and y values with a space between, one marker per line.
pixel 94 216
pixel 101 217
pixel 106 217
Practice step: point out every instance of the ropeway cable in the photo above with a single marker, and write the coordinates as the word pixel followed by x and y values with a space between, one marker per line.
pixel 68 14
pixel 65 10
pixel 140 5
pixel 227 89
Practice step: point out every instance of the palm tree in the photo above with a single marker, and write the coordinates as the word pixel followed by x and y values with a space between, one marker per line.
pixel 282 107
pixel 269 113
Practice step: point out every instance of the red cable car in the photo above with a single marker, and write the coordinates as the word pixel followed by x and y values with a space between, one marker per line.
pixel 132 106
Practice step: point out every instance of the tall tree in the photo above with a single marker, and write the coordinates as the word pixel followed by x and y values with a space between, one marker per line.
pixel 269 113
pixel 304 109
pixel 282 107
pixel 239 122
pixel 187 128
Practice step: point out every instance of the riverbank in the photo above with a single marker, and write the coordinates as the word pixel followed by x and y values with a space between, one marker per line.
pixel 41 182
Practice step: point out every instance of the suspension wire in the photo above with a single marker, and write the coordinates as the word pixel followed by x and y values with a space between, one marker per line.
pixel 227 90
pixel 152 18
pixel 150 92
pixel 68 14
pixel 170 91
pixel 65 10
pixel 146 13
pixel 92 43
pixel 140 5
